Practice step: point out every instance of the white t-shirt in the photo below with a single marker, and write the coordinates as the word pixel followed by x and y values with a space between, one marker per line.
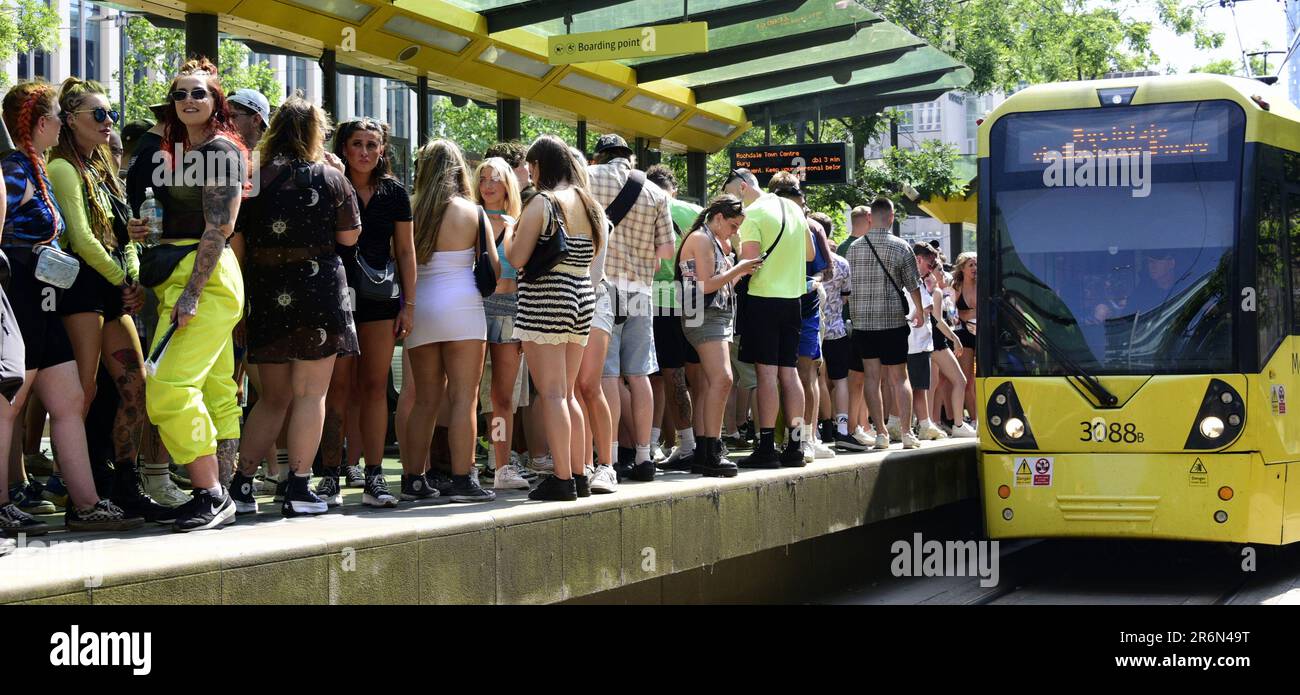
pixel 921 339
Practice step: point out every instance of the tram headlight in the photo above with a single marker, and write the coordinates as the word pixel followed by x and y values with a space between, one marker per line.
pixel 1015 428
pixel 1211 427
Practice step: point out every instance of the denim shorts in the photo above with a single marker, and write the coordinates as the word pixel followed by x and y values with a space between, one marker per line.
pixel 632 345
pixel 500 329
pixel 603 320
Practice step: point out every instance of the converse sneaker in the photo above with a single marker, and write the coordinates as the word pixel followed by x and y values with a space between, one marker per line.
pixel 203 512
pixel 27 497
pixel 376 494
pixel 55 491
pixel 542 465
pixel 603 480
pixel 508 478
pixel 964 431
pixel 467 489
pixel 104 516
pixel 281 487
pixel 14 521
pixel 644 471
pixel 929 432
pixel 552 489
pixel 910 441
pixel 520 463
pixel 241 492
pixel 439 481
pixel 328 488
pixel 163 490
pixel 354 477
pixel 416 487
pixel 129 496
pixel 299 500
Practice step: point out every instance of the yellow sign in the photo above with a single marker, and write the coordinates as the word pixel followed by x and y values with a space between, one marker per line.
pixel 1198 476
pixel 637 42
pixel 1023 475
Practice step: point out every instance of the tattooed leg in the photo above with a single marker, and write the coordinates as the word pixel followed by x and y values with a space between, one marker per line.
pixel 227 454
pixel 685 414
pixel 129 377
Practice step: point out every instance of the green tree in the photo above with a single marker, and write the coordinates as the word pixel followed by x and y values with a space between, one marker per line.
pixel 26 25
pixel 153 54
pixel 1232 66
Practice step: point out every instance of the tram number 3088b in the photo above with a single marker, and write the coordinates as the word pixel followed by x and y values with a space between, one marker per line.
pixel 1098 430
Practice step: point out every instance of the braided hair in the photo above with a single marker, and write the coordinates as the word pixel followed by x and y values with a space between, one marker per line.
pixel 93 169
pixel 24 105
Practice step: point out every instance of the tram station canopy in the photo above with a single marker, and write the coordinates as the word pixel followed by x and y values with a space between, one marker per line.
pixel 783 60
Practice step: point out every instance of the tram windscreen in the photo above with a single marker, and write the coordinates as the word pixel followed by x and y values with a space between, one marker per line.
pixel 1114 231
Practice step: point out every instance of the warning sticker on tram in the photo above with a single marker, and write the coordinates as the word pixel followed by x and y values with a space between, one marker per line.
pixel 1198 476
pixel 1034 472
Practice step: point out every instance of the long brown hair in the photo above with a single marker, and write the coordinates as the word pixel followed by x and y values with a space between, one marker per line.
pixel 24 105
pixel 384 167
pixel 97 167
pixel 440 175
pixel 556 167
pixel 297 132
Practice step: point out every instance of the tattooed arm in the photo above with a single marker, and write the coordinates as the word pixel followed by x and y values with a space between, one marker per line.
pixel 220 207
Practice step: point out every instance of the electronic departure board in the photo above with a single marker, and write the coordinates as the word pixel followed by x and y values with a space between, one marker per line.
pixel 815 163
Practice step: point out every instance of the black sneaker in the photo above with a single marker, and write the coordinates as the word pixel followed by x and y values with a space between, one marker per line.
pixel 552 489
pixel 104 516
pixel 746 432
pixel 439 481
pixel 627 454
pixel 328 488
pixel 354 476
pixel 467 489
pixel 281 487
pixel 792 455
pixel 299 500
pixel 644 471
pixel 763 458
pixel 203 512
pixel 623 470
pixel 678 461
pixel 582 486
pixel 376 493
pixel 844 442
pixel 130 497
pixel 27 497
pixel 14 521
pixel 241 492
pixel 416 487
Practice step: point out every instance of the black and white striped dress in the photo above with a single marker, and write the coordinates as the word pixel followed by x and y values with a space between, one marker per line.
pixel 557 307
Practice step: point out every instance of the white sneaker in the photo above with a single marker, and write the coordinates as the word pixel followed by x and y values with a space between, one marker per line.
pixel 894 428
pixel 603 480
pixel 163 490
pixel 910 441
pixel 675 457
pixel 882 441
pixel 931 432
pixel 860 436
pixel 821 451
pixel 7 546
pixel 657 453
pixel 964 431
pixel 542 465
pixel 507 478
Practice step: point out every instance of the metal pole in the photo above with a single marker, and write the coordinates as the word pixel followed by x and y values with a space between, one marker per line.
pixel 696 172
pixel 509 119
pixel 955 235
pixel 201 34
pixel 80 69
pixel 330 83
pixel 582 136
pixel 893 143
pixel 767 126
pixel 122 47
pixel 422 105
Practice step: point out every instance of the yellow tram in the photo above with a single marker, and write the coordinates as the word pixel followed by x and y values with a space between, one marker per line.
pixel 1138 324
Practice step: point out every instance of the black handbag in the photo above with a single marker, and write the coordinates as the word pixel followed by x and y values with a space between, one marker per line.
pixel 742 286
pixel 485 278
pixel 552 246
pixel 376 285
pixel 157 263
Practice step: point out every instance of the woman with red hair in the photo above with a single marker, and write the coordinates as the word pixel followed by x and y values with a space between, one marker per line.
pixel 190 393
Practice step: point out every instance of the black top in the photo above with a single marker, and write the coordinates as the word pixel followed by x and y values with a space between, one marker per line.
pixel 220 163
pixel 139 171
pixel 388 205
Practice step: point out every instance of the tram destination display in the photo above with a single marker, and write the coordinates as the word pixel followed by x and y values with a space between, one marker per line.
pixel 815 163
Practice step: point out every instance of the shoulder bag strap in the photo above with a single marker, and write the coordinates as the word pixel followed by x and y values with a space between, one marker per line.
pixel 626 198
pixel 889 277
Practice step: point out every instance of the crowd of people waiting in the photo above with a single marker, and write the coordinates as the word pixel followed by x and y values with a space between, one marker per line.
pixel 584 304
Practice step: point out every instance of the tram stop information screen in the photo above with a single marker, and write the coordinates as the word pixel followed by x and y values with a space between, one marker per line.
pixel 817 163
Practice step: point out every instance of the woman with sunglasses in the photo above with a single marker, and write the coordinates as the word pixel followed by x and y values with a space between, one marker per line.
pixel 32 225
pixel 191 394
pixel 97 309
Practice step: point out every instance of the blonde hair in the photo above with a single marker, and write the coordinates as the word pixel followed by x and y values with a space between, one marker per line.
pixel 506 174
pixel 97 166
pixel 440 175
pixel 297 131
pixel 959 270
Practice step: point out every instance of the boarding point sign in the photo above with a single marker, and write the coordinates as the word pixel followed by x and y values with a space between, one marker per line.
pixel 637 42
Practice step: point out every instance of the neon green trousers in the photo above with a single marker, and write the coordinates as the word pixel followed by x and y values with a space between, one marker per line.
pixel 191 397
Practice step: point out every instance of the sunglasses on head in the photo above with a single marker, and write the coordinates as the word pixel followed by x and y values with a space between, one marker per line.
pixel 101 114
pixel 735 174
pixel 197 94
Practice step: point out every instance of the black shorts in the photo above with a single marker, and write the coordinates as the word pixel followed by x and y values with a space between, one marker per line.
pixel 918 370
pixel 368 310
pixel 91 293
pixel 889 346
pixel 840 356
pixel 772 329
pixel 671 347
pixel 941 341
pixel 35 306
pixel 966 337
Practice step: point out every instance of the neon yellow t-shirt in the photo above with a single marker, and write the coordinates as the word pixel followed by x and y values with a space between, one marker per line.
pixel 783 275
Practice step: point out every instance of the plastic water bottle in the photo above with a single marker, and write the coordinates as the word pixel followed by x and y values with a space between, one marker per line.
pixel 151 213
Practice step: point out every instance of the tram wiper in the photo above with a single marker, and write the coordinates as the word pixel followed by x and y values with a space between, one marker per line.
pixel 1089 382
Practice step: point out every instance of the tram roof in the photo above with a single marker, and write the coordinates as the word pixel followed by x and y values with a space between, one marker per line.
pixel 783 60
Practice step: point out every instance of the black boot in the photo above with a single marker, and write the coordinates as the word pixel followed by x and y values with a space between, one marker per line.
pixel 792 455
pixel 129 495
pixel 715 466
pixel 764 455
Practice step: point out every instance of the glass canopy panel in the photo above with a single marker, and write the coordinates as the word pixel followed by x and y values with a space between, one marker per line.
pixel 918 61
pixel 628 14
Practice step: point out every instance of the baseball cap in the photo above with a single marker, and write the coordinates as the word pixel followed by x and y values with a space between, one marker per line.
pixel 611 141
pixel 254 101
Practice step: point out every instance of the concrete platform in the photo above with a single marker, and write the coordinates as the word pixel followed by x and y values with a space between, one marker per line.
pixel 511 550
